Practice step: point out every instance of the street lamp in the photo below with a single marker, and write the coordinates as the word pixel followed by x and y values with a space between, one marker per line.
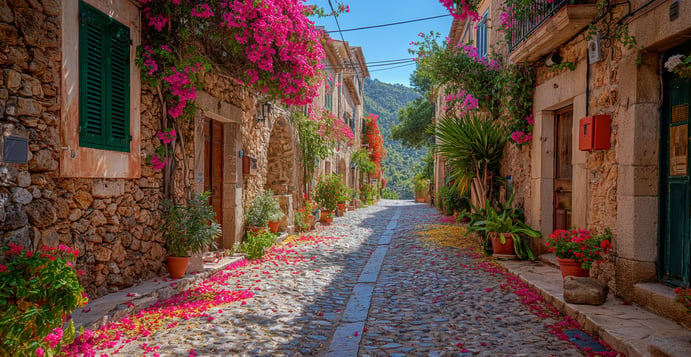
pixel 266 111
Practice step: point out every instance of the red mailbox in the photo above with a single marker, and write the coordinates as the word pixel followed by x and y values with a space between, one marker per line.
pixel 593 132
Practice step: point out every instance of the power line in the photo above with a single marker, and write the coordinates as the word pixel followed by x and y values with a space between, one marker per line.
pixel 341 33
pixel 372 64
pixel 386 69
pixel 384 25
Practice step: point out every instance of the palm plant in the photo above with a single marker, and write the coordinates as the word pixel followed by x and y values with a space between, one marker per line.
pixel 473 145
pixel 504 219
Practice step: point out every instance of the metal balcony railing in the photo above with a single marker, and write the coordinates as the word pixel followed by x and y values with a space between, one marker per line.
pixel 527 20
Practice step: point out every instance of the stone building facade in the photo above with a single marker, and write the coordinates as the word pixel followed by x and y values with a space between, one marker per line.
pixel 636 185
pixel 108 203
pixel 345 98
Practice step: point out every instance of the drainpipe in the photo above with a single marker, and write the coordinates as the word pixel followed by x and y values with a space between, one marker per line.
pixel 587 85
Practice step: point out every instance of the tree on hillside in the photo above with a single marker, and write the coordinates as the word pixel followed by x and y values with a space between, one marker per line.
pixel 416 120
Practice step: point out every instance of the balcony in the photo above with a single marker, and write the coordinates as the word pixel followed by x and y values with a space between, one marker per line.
pixel 545 26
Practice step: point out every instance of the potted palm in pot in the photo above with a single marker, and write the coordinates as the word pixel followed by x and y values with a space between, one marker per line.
pixel 505 231
pixel 187 230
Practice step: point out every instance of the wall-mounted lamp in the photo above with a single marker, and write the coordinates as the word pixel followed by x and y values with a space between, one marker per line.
pixel 266 111
pixel 553 59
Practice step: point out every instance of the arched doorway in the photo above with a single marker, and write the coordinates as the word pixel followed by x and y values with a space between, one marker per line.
pixel 282 174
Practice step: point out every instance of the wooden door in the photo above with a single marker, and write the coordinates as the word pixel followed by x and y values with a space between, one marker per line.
pixel 213 167
pixel 675 241
pixel 563 146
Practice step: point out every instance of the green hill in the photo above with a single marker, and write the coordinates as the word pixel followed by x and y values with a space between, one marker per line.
pixel 401 163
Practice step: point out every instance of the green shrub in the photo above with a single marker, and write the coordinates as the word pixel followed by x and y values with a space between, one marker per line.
pixel 255 244
pixel 37 292
pixel 264 208
pixel 188 229
pixel 389 194
pixel 368 193
pixel 329 191
pixel 442 193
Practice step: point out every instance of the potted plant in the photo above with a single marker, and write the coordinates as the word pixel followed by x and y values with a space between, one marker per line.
pixel 188 229
pixel 275 214
pixel 257 216
pixel 577 250
pixel 367 194
pixel 682 297
pixel 343 196
pixel 326 193
pixel 38 292
pixel 421 188
pixel 456 202
pixel 505 231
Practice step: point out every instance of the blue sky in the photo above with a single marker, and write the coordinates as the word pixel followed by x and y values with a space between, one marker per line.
pixel 386 43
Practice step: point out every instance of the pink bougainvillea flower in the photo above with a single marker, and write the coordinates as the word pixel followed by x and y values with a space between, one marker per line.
pixel 158 162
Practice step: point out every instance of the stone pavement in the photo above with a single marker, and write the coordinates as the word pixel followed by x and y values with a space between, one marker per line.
pixel 364 286
pixel 628 328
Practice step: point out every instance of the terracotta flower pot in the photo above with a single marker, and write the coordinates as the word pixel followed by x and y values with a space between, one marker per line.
pixel 572 267
pixel 255 229
pixel 420 200
pixel 324 218
pixel 177 266
pixel 505 250
pixel 273 226
pixel 341 207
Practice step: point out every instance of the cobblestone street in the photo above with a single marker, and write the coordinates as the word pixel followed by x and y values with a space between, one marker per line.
pixel 367 285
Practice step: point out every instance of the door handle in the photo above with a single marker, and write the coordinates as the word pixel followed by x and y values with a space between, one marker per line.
pixel 559 190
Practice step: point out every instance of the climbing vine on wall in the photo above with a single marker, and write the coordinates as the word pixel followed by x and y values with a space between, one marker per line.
pixel 269 46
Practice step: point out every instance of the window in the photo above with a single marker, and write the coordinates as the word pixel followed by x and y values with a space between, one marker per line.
pixel 104 81
pixel 329 96
pixel 352 121
pixel 481 35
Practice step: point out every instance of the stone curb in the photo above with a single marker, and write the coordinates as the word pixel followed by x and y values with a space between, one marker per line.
pixel 112 307
pixel 627 328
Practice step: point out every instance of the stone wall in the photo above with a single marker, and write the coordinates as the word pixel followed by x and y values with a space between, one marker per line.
pixel 111 221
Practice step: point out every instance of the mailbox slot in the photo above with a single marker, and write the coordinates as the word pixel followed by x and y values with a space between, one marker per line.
pixel 594 132
pixel 249 165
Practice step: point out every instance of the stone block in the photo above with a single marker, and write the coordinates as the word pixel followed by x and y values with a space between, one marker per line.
pixel 29 107
pixel 638 136
pixel 630 272
pixel 107 189
pixel 589 291
pixel 636 230
pixel 21 196
pixel 638 180
pixel 83 199
pixel 43 161
pixel 41 213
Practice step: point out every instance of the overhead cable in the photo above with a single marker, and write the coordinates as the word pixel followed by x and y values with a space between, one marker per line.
pixel 389 24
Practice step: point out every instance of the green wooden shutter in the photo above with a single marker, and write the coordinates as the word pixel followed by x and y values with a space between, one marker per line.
pixel 120 86
pixel 104 76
